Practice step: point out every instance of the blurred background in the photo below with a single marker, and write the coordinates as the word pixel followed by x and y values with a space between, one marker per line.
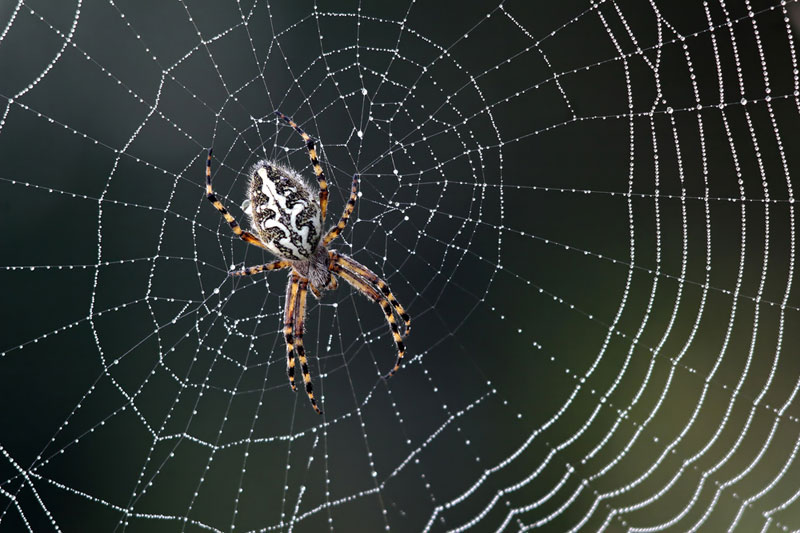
pixel 586 207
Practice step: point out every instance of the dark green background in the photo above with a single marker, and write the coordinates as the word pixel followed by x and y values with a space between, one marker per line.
pixel 553 311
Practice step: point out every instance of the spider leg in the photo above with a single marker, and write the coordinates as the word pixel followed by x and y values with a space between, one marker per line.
pixel 237 229
pixel 300 316
pixel 312 153
pixel 333 284
pixel 288 324
pixel 348 210
pixel 249 271
pixel 315 292
pixel 357 268
pixel 370 292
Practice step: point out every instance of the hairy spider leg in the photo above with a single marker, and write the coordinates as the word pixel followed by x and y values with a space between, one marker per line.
pixel 249 271
pixel 244 235
pixel 315 291
pixel 348 210
pixel 333 284
pixel 288 324
pixel 312 153
pixel 354 266
pixel 362 286
pixel 300 318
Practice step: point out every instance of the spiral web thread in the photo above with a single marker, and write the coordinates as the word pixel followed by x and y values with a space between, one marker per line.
pixel 677 413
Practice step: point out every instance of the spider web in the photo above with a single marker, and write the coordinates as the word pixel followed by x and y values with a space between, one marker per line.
pixel 586 207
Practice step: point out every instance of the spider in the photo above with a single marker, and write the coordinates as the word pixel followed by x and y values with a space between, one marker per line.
pixel 287 221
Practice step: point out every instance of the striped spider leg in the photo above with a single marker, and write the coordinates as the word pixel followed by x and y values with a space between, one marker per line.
pixel 370 285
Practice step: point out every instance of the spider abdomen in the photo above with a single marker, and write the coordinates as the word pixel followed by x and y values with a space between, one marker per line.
pixel 283 212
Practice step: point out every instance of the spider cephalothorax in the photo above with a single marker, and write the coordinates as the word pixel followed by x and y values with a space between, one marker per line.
pixel 287 221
